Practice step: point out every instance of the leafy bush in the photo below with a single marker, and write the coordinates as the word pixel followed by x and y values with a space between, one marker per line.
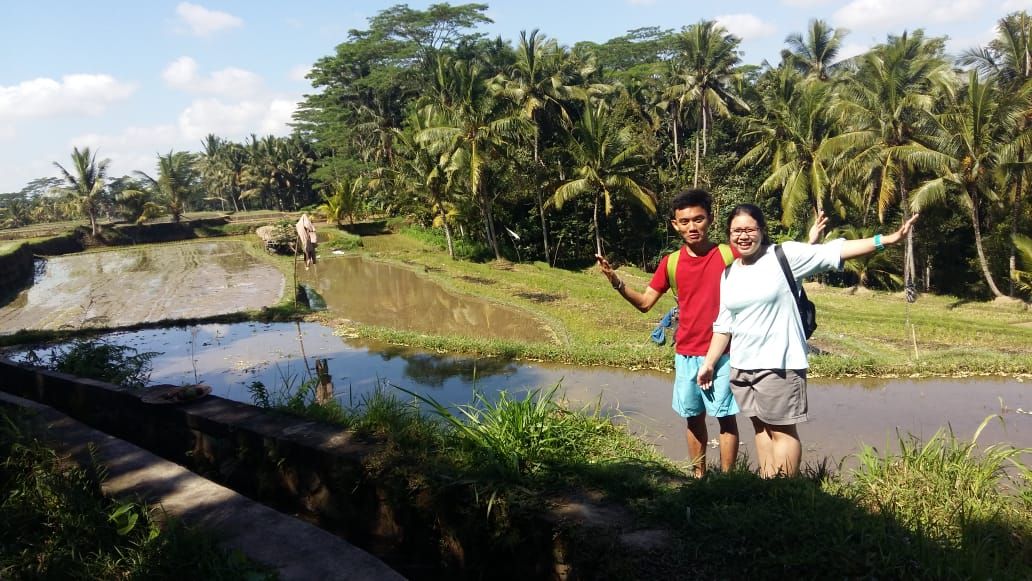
pixel 343 241
pixel 96 359
pixel 57 525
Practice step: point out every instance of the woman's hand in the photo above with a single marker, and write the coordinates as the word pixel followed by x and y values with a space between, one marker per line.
pixel 819 223
pixel 902 232
pixel 705 377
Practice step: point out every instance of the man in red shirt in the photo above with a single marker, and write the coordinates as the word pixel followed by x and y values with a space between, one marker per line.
pixel 697 277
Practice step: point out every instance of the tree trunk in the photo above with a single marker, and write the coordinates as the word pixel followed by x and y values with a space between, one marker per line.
pixel 1015 216
pixel 492 239
pixel 598 233
pixel 447 230
pixel 978 245
pixel 677 150
pixel 908 252
pixel 695 180
pixel 540 203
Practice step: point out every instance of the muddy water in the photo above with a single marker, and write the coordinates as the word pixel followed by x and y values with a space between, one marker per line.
pixel 231 357
pixel 143 284
pixel 380 294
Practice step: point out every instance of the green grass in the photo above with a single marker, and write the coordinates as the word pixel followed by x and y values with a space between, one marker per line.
pixel 862 333
pixel 56 525
pixel 941 509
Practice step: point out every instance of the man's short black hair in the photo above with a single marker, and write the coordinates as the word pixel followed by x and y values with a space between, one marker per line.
pixel 692 198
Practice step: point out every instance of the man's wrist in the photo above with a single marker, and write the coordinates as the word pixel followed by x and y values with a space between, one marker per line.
pixel 619 285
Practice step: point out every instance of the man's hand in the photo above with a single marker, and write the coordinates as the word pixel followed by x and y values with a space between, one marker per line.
pixel 607 270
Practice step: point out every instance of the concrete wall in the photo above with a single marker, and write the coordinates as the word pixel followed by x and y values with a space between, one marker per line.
pixel 329 476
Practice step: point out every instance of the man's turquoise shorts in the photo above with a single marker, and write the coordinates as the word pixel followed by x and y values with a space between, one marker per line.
pixel 691 400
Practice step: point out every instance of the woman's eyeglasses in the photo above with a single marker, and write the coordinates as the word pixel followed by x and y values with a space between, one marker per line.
pixel 744 231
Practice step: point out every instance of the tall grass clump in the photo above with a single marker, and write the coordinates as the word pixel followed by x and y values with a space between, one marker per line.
pixel 57 525
pixel 537 438
pixel 966 508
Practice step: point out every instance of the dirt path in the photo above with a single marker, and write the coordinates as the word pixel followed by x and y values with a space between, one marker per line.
pixel 144 284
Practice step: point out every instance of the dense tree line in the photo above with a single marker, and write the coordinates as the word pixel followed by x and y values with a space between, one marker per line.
pixel 551 152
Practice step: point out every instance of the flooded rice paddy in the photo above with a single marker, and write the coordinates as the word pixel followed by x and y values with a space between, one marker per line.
pixel 204 278
pixel 380 294
pixel 143 284
pixel 843 414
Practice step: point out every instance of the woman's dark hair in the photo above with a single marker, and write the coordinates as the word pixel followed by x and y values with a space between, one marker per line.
pixel 753 212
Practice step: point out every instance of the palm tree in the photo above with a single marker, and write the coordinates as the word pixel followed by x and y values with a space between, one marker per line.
pixel 176 182
pixel 973 140
pixel 792 132
pixel 428 169
pixel 1023 278
pixel 85 183
pixel 473 126
pixel 704 78
pixel 343 201
pixel 608 161
pixel 894 87
pixel 537 83
pixel 814 55
pixel 1008 58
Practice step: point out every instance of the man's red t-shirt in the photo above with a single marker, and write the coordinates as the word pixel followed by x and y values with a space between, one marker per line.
pixel 698 297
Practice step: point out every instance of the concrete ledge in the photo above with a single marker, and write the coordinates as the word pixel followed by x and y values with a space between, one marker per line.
pixel 296 549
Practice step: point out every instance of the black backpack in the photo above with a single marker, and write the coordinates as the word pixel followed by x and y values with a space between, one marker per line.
pixel 805 307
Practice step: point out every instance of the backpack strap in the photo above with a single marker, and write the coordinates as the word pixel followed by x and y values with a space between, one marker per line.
pixel 785 268
pixel 671 271
pixel 671 264
pixel 725 251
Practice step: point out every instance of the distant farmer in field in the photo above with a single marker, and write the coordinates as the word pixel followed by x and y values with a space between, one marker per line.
pixel 759 317
pixel 696 281
pixel 306 239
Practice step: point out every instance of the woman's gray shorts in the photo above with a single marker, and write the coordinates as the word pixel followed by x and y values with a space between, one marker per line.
pixel 775 396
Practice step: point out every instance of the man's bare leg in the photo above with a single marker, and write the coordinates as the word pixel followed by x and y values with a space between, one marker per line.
pixel 697 437
pixel 728 442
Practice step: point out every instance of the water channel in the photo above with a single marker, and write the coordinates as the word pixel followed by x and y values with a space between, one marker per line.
pixel 232 357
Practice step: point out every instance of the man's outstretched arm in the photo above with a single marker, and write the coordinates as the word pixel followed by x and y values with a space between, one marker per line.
pixel 643 301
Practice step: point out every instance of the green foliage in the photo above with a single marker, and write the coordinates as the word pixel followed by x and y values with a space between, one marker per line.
pixel 340 240
pixel 58 525
pixel 100 360
pixel 465 248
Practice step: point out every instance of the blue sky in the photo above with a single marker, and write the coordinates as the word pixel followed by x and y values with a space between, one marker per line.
pixel 137 78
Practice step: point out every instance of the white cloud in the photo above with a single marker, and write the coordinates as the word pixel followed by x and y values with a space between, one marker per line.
pixel 1015 5
pixel 203 22
pixel 183 74
pixel 78 94
pixel 236 120
pixel 746 26
pixel 299 73
pixel 851 49
pixel 804 3
pixel 135 148
pixel 863 14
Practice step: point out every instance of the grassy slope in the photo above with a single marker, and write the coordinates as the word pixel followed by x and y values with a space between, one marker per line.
pixel 862 333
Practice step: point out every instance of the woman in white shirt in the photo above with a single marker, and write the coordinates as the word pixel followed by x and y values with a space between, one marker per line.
pixel 758 315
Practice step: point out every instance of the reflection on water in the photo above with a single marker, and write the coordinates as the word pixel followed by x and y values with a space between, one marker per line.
pixel 230 357
pixel 380 294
